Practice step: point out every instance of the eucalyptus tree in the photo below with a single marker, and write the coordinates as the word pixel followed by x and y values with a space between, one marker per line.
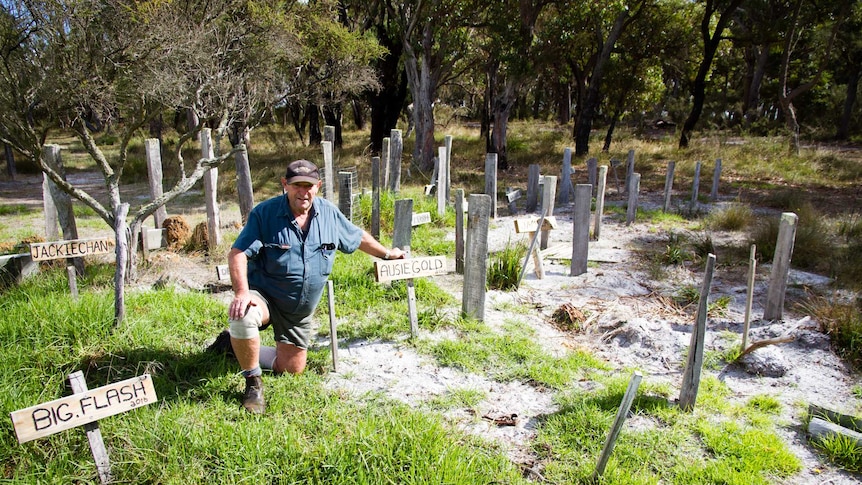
pixel 848 69
pixel 85 65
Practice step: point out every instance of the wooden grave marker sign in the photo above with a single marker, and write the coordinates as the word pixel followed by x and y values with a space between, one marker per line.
pixel 528 225
pixel 409 268
pixel 74 248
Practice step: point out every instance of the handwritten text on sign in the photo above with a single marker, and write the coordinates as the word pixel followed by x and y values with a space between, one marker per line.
pixel 70 249
pixel 82 408
pixel 402 269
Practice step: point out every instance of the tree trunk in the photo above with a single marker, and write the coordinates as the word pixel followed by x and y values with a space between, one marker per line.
pixel 10 161
pixel 591 104
pixel 849 101
pixel 501 109
pixel 358 116
pixel 387 103
pixel 315 136
pixel 610 133
pixel 423 87
pixel 332 116
pixel 751 101
pixel 122 252
pixel 710 47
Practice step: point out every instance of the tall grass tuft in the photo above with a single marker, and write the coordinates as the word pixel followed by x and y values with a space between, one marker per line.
pixel 814 245
pixel 505 267
pixel 842 322
pixel 735 217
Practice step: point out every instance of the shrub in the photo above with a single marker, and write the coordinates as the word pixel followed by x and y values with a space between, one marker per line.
pixel 505 267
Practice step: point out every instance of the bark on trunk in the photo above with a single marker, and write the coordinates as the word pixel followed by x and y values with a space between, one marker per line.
pixel 332 116
pixel 849 101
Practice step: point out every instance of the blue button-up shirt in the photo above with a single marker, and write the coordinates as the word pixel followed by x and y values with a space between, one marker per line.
pixel 286 265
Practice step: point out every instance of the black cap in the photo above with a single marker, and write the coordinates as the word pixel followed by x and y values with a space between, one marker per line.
pixel 302 171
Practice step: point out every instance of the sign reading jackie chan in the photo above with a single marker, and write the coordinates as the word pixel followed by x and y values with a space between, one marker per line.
pixel 82 408
pixel 402 269
pixel 74 248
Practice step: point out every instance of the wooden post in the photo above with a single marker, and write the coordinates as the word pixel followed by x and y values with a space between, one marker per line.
pixel 566 177
pixel 333 324
pixel 491 181
pixel 630 169
pixel 73 282
pixel 94 434
pixel 632 206
pixel 153 154
pixel 695 185
pixel 716 177
pixel 668 185
pixel 211 192
pixel 581 229
pixel 447 142
pixel 442 182
pixel 345 194
pixel 401 238
pixel 548 198
pixel 52 228
pixel 780 267
pixel 62 202
pixel 476 270
pixel 375 197
pixel 328 171
pixel 592 172
pixel 600 201
pixel 694 364
pixel 395 148
pixel 533 188
pixel 752 267
pixel 384 161
pixel 122 254
pixel 459 230
pixel 244 188
pixel 619 420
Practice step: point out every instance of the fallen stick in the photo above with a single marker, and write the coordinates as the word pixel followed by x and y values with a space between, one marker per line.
pixel 788 337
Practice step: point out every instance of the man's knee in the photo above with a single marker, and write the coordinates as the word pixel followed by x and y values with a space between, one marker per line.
pixel 248 326
pixel 290 359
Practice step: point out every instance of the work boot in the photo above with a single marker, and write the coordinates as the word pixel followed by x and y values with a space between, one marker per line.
pixel 222 345
pixel 252 398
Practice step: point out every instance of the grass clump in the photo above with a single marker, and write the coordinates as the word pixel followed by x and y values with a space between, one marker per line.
pixel 505 267
pixel 842 322
pixel 735 217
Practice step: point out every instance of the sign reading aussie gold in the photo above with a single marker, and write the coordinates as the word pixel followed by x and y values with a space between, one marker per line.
pixel 402 269
pixel 74 248
pixel 82 408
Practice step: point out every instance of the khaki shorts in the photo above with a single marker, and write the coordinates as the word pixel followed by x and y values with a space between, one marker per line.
pixel 288 328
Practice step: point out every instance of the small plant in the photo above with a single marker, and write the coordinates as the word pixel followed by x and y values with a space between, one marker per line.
pixel 718 307
pixel 841 450
pixel 505 267
pixel 703 246
pixel 687 295
pixel 674 252
pixel 842 322
pixel 735 217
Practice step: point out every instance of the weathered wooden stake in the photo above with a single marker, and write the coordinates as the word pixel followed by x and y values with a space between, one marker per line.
pixel 592 171
pixel 153 154
pixel 442 182
pixel 401 238
pixel 491 181
pixel 73 281
pixel 566 187
pixel 548 198
pixel 581 229
pixel 52 228
pixel 475 266
pixel 780 267
pixel 716 177
pixel 395 148
pixel 749 299
pixel 94 434
pixel 533 188
pixel 333 324
pixel 211 192
pixel 62 202
pixel 600 201
pixel 375 197
pixel 668 185
pixel 619 420
pixel 244 188
pixel 695 186
pixel 385 157
pixel 447 142
pixel 630 169
pixel 634 192
pixel 328 171
pixel 459 230
pixel 694 364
